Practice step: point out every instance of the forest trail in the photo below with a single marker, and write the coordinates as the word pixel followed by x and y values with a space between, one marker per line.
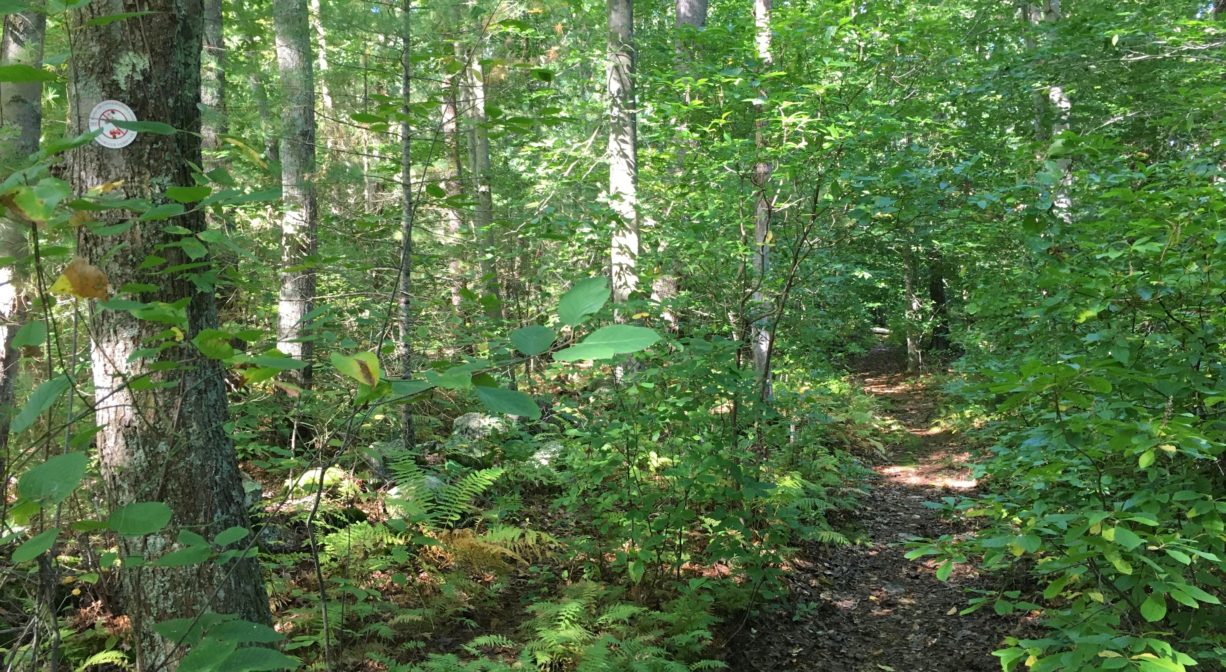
pixel 865 607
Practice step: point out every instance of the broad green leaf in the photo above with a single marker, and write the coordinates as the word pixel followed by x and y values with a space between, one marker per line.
pixel 139 518
pixel 410 387
pixel 54 480
pixel 214 344
pixel 533 339
pixel 362 367
pixel 945 570
pixel 20 72
pixel 584 299
pixel 610 341
pixel 32 333
pixel 164 211
pixel 35 546
pixel 187 194
pixel 209 655
pixel 41 399
pixel 154 127
pixel 192 555
pixel 508 402
pixel 241 631
pixel 251 659
pixel 230 535
pixel 1154 607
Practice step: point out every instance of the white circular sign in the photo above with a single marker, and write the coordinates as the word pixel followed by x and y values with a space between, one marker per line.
pixel 112 136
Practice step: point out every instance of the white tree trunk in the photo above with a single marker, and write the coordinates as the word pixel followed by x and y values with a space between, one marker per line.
pixel 300 218
pixel 479 159
pixel 623 151
pixel 761 332
pixel 20 125
pixel 321 53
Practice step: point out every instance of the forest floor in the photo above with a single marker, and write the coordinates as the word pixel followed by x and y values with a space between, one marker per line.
pixel 865 607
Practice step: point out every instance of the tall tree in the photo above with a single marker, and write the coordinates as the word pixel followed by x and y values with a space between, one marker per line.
pixel 213 77
pixel 164 440
pixel 321 53
pixel 21 116
pixel 479 159
pixel 453 219
pixel 404 280
pixel 623 150
pixel 299 222
pixel 760 331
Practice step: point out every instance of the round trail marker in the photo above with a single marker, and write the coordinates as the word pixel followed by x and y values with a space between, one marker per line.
pixel 112 136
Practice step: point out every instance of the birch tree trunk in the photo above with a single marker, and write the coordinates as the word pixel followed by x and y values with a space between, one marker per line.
pixel 300 218
pixel 623 151
pixel 321 53
pixel 691 15
pixel 166 442
pixel 21 115
pixel 404 293
pixel 479 159
pixel 453 220
pixel 1056 103
pixel 761 330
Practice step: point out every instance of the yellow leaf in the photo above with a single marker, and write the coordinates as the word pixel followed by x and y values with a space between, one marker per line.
pixel 82 280
pixel 178 334
pixel 107 187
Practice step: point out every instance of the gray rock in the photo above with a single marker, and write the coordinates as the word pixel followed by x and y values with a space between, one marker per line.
pixel 478 426
pixel 547 454
pixel 253 492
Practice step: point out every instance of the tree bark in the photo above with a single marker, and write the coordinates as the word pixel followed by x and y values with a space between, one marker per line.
pixel 940 305
pixel 479 159
pixel 167 443
pixel 623 151
pixel 321 53
pixel 691 15
pixel 453 220
pixel 913 310
pixel 1056 103
pixel 761 331
pixel 213 78
pixel 404 293
pixel 300 219
pixel 20 126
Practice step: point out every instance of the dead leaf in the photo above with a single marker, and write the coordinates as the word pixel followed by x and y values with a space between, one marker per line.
pixel 82 280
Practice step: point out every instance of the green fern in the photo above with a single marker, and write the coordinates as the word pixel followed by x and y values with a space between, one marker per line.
pixel 112 658
pixel 435 507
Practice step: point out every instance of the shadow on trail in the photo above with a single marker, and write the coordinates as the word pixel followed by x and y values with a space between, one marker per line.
pixel 865 607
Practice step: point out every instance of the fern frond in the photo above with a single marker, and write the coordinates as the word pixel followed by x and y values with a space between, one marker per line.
pixel 110 657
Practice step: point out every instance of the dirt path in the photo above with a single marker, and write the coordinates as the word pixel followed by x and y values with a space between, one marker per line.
pixel 866 608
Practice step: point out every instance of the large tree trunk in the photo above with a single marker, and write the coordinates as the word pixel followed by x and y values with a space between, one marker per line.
pixel 166 442
pixel 300 219
pixel 404 293
pixel 761 331
pixel 623 151
pixel 20 125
